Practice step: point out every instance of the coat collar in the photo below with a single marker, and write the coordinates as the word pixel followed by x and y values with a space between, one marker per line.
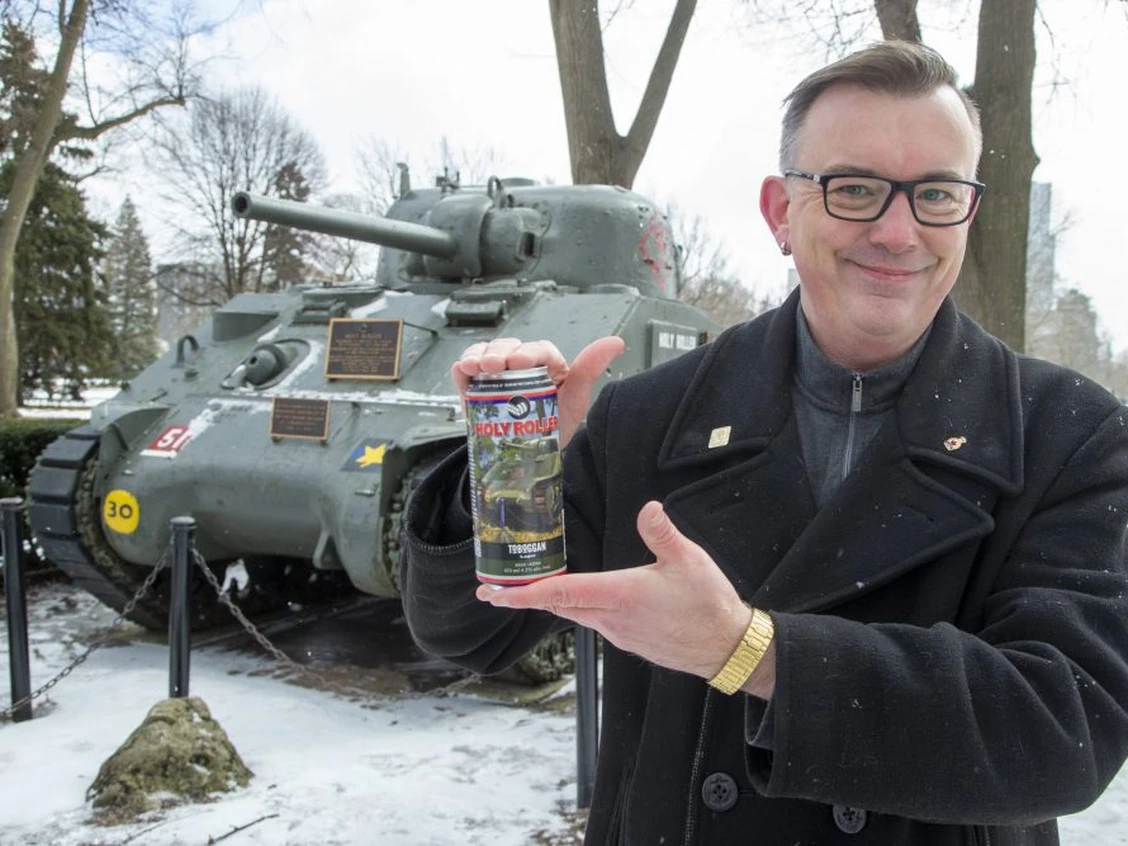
pixel 927 483
pixel 960 407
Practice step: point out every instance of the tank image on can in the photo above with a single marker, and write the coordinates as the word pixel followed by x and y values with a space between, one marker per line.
pixel 517 500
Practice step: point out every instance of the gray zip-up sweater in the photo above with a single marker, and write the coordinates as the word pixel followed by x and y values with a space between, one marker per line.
pixel 839 411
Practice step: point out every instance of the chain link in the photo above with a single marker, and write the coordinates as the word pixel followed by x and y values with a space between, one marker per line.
pixel 291 664
pixel 98 643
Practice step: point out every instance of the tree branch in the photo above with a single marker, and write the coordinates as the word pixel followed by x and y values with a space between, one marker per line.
pixel 583 86
pixel 89 133
pixel 898 19
pixel 646 118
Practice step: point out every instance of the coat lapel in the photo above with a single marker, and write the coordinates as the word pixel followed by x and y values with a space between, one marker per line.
pixel 926 485
pixel 886 518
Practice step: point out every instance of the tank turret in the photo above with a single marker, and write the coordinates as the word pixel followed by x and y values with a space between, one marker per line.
pixel 293 425
pixel 580 236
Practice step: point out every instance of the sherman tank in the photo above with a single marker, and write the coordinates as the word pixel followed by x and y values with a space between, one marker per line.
pixel 292 426
pixel 519 491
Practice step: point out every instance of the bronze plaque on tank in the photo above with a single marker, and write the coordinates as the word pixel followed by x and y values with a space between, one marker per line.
pixel 299 418
pixel 363 348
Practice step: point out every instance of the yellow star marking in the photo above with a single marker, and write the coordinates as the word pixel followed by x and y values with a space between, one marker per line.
pixel 372 456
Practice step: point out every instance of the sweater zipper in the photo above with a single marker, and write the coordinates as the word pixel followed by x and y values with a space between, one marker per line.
pixel 855 407
pixel 695 771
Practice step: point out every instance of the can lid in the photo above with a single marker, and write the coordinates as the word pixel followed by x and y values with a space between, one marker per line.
pixel 505 375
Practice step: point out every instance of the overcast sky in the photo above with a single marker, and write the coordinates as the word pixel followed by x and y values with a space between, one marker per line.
pixel 483 74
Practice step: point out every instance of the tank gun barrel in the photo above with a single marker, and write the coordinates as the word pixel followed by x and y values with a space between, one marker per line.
pixel 398 234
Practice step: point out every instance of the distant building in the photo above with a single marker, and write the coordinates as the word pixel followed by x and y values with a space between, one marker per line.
pixel 1043 326
pixel 1061 323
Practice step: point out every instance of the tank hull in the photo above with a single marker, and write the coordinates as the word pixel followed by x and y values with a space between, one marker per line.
pixel 188 437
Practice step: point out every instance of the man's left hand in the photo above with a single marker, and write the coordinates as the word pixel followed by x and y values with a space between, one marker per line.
pixel 680 612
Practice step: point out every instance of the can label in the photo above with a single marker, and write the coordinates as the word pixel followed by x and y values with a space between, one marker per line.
pixel 516 478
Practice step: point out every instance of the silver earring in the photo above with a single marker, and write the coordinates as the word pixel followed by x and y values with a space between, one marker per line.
pixel 785 248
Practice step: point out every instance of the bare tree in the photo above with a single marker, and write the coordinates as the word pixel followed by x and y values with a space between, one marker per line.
pixel 1071 335
pixel 160 74
pixel 598 153
pixel 708 282
pixel 898 19
pixel 387 169
pixel 237 141
pixel 338 260
pixel 382 167
pixel 992 284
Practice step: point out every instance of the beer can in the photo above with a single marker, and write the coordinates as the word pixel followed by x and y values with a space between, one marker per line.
pixel 516 476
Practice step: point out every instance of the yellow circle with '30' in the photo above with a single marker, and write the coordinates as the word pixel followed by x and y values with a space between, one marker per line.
pixel 121 512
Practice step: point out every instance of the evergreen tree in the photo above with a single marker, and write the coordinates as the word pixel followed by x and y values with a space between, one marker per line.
pixel 131 292
pixel 62 321
pixel 284 248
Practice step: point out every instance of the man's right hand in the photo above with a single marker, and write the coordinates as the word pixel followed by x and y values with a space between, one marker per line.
pixel 573 382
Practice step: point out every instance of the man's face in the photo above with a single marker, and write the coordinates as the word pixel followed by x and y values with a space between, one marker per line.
pixel 869 290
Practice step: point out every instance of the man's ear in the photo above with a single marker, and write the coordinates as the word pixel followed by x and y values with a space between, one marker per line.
pixel 774 202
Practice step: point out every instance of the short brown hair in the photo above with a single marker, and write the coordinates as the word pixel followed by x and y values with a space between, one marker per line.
pixel 903 68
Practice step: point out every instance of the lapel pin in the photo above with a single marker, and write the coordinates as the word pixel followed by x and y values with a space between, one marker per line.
pixel 952 444
pixel 719 436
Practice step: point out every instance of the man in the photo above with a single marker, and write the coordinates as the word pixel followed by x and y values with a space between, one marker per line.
pixel 862 573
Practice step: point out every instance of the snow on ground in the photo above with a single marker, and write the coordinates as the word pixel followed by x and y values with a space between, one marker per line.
pixel 409 770
pixel 405 771
pixel 40 405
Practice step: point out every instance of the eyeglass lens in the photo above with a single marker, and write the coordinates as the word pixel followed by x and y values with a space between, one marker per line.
pixel 862 198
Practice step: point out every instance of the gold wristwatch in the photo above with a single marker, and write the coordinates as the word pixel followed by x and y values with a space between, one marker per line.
pixel 747 655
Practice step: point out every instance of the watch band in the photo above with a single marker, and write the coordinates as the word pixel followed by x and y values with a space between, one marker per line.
pixel 747 655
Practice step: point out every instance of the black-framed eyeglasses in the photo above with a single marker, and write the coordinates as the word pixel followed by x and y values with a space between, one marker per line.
pixel 863 198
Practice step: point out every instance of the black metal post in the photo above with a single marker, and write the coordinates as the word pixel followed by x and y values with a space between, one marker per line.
pixel 179 610
pixel 587 715
pixel 19 670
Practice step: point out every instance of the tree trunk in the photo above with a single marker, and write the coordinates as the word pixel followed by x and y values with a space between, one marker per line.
pixel 898 19
pixel 598 153
pixel 29 167
pixel 992 285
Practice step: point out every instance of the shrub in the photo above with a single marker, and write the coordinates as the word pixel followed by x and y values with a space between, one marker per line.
pixel 21 442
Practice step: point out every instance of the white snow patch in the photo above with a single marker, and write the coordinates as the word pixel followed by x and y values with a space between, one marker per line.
pixel 377 305
pixel 236 574
pixel 400 772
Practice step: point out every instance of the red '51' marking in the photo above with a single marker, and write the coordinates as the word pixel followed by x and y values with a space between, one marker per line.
pixel 171 440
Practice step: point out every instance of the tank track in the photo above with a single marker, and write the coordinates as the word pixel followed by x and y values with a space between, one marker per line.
pixel 64 514
pixel 64 517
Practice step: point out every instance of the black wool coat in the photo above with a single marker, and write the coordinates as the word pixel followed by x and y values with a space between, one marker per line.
pixel 951 626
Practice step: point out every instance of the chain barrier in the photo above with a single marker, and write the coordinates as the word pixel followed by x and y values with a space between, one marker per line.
pixel 98 642
pixel 288 662
pixel 237 613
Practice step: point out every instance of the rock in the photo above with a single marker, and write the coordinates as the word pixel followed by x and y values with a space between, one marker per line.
pixel 177 754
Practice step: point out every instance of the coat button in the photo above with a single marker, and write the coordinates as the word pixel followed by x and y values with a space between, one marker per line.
pixel 849 820
pixel 719 792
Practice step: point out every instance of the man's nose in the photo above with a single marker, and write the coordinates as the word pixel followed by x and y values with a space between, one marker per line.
pixel 897 229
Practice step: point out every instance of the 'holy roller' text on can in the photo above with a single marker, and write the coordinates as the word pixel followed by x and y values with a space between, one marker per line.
pixel 516 477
